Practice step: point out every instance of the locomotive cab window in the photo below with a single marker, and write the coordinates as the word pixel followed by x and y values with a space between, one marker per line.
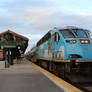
pixel 80 33
pixel 57 37
pixel 67 33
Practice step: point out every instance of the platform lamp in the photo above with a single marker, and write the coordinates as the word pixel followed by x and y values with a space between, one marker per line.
pixel 18 47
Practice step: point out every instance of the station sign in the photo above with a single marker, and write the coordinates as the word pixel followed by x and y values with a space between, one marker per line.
pixel 9 46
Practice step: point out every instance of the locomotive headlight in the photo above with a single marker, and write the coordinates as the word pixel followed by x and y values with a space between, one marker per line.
pixel 72 41
pixel 85 41
pixel 82 41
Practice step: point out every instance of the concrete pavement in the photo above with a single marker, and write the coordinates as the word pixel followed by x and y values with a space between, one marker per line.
pixel 25 78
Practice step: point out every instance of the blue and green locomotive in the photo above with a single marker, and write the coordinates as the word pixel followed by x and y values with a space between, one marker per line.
pixel 66 44
pixel 65 51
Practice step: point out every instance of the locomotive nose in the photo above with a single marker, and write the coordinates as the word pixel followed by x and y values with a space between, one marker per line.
pixel 81 49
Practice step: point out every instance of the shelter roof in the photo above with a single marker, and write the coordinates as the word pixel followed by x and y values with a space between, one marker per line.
pixel 13 33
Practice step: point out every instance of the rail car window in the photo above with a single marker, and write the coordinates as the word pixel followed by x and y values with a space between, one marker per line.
pixel 67 33
pixel 80 33
pixel 57 37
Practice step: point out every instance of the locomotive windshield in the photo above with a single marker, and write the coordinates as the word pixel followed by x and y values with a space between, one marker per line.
pixel 67 34
pixel 74 33
pixel 80 33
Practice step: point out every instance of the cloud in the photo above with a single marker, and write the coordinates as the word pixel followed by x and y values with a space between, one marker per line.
pixel 35 18
pixel 33 39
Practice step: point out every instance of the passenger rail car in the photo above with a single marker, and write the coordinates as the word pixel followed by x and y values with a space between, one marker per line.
pixel 66 51
pixel 32 54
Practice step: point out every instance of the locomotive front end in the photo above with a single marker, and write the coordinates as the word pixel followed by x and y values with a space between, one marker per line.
pixel 78 44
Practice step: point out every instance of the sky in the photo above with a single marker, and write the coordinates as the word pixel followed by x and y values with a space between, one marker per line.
pixel 34 18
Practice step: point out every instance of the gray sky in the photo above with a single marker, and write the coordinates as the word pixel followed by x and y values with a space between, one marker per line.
pixel 34 18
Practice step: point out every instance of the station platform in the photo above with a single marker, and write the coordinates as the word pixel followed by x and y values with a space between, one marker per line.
pixel 25 77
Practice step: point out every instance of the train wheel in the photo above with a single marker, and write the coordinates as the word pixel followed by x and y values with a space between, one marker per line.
pixel 55 71
pixel 50 66
pixel 62 73
pixel 39 62
pixel 59 69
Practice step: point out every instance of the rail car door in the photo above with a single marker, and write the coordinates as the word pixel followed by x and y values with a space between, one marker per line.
pixel 51 47
pixel 57 45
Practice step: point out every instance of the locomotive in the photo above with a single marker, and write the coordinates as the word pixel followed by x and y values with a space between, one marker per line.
pixel 67 52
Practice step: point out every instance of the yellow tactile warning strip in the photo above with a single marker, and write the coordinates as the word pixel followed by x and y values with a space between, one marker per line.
pixel 61 83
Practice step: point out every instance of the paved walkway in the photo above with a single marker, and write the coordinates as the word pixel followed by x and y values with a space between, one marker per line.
pixel 25 78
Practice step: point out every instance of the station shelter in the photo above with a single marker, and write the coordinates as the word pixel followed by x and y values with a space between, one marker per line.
pixel 12 46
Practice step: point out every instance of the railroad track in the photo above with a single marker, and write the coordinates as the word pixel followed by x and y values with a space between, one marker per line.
pixel 80 81
pixel 86 87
